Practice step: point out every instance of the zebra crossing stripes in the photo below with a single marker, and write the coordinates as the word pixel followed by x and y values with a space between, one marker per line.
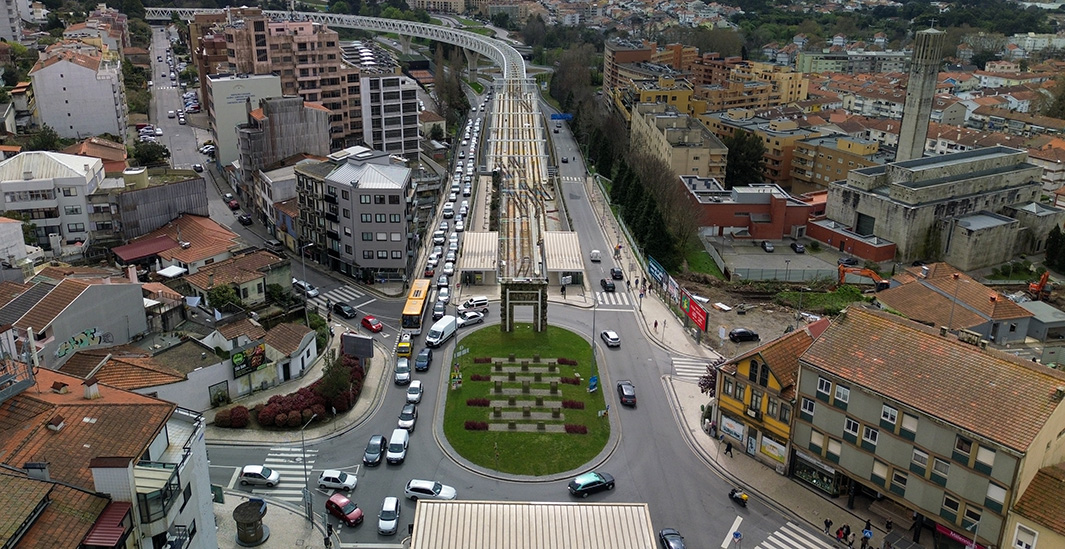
pixel 288 462
pixel 612 298
pixel 689 368
pixel 341 294
pixel 791 536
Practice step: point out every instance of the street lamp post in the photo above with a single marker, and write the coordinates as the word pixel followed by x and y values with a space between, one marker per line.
pixel 787 269
pixel 306 479
pixel 976 532
pixel 303 260
pixel 595 305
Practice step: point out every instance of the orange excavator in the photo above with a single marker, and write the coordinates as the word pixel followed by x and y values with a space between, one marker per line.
pixel 878 281
pixel 1041 290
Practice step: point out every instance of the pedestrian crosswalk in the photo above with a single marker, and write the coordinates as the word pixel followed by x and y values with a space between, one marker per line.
pixel 690 368
pixel 572 179
pixel 612 298
pixel 341 294
pixel 791 536
pixel 288 462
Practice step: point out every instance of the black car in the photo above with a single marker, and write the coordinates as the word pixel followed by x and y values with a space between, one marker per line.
pixel 344 310
pixel 670 538
pixel 798 248
pixel 627 393
pixel 608 285
pixel 423 360
pixel 589 483
pixel 742 334
pixel 439 310
pixel 848 261
pixel 244 219
pixel 375 450
pixel 617 274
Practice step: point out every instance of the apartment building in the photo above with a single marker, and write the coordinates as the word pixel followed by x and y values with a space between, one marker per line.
pixel 80 91
pixel 625 59
pixel 355 214
pixel 208 40
pixel 681 141
pixel 818 161
pixel 388 100
pixel 668 90
pixel 227 99
pixel 52 189
pixel 732 82
pixel 779 137
pixel 11 21
pixel 924 436
pixel 853 62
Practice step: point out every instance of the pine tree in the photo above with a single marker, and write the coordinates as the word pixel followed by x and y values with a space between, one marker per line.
pixel 1055 249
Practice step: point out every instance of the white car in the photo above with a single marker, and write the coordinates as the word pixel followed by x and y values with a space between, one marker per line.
pixel 414 392
pixel 305 287
pixel 611 338
pixel 460 225
pixel 331 479
pixel 469 318
pixel 428 489
pixel 449 268
pixel 443 295
pixel 388 520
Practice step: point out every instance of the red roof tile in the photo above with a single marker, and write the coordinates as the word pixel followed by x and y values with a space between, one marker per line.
pixel 65 521
pixel 244 327
pixel 286 338
pixel 124 368
pixel 235 270
pixel 1043 501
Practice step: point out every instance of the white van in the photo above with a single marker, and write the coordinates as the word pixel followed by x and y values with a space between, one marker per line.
pixel 449 210
pixel 596 256
pixel 477 303
pixel 397 446
pixel 441 331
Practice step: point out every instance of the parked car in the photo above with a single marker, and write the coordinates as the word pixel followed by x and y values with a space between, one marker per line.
pixel 344 509
pixel 626 393
pixel 227 197
pixel 198 168
pixel 414 392
pixel 375 450
pixel 611 338
pixel 767 246
pixel 439 310
pixel 589 483
pixel 670 538
pixel 617 274
pixel 402 375
pixel 244 219
pixel 428 489
pixel 608 285
pixel 388 520
pixel 742 334
pixel 332 479
pixel 848 261
pixel 408 416
pixel 798 248
pixel 371 323
pixel 423 360
pixel 306 287
pixel 344 310
pixel 233 205
pixel 469 318
pixel 259 475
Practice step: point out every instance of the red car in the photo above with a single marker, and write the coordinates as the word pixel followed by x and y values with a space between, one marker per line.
pixel 371 323
pixel 429 272
pixel 233 205
pixel 344 509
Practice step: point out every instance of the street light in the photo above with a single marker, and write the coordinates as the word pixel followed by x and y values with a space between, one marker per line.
pixel 787 269
pixel 303 259
pixel 306 479
pixel 976 532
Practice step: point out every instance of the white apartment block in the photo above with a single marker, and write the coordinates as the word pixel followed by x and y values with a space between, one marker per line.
pixel 79 91
pixel 11 20
pixel 52 189
pixel 227 106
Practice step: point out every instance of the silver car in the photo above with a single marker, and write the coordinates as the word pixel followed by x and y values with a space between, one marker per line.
pixel 428 489
pixel 259 475
pixel 388 520
pixel 402 371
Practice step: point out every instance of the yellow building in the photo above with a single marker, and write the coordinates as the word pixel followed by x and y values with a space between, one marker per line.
pixel 1037 520
pixel 675 92
pixel 778 136
pixel 819 161
pixel 756 395
pixel 682 142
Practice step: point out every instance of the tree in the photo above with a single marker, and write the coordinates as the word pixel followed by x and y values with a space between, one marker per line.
pixel 340 8
pixel 708 382
pixel 1057 107
pixel 46 139
pixel 437 133
pixel 220 296
pixel 147 153
pixel 1055 249
pixel 746 159
pixel 336 378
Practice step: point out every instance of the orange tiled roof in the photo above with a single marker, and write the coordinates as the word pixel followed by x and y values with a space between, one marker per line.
pixel 97 147
pixel 127 368
pixel 235 270
pixel 939 375
pixel 290 207
pixel 782 356
pixel 930 299
pixel 64 272
pixel 286 338
pixel 244 327
pixel 1043 501
pixel 10 290
pixel 119 424
pixel 64 522
pixel 208 238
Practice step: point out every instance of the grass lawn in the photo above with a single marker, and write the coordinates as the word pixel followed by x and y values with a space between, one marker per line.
pixel 699 261
pixel 477 87
pixel 529 453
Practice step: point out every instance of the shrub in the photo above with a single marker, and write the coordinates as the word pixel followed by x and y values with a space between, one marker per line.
pixel 573 404
pixel 239 417
pixel 341 402
pixel 480 377
pixel 222 418
pixel 570 380
pixel 477 402
pixel 318 409
pixel 576 429
pixel 476 425
pixel 567 361
pixel 294 419
pixel 307 415
pixel 482 360
pixel 281 419
pixel 267 414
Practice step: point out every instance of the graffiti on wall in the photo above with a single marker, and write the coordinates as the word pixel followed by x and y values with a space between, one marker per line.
pixel 81 340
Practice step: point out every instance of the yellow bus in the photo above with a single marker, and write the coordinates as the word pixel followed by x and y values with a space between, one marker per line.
pixel 417 302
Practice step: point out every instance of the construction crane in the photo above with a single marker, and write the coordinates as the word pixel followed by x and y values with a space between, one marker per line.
pixel 878 281
pixel 1040 291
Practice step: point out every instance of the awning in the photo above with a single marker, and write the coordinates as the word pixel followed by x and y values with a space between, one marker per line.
pixel 172 271
pixel 144 248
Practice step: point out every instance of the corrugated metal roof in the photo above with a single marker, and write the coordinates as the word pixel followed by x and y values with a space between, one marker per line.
pixel 516 525
pixel 562 251
pixel 370 176
pixel 47 165
pixel 480 251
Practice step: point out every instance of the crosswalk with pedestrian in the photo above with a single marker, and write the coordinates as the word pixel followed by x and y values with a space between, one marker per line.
pixel 341 294
pixel 288 462
pixel 791 536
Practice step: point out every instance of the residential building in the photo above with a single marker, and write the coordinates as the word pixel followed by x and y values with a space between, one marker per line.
pixel 25 102
pixel 248 274
pixel 918 437
pixel 95 33
pixel 112 154
pixel 388 101
pixel 286 222
pixel 52 189
pixel 756 212
pixel 354 212
pixel 818 161
pixel 440 6
pixel 779 137
pixel 852 62
pixel 226 101
pixel 1016 123
pixel 1037 518
pixel 12 242
pixel 147 456
pixel 763 415
pixel 1052 160
pixel 44 513
pixel 188 242
pixel 625 60
pixel 80 91
pixel 11 21
pixel 681 142
pixel 277 185
pixel 666 90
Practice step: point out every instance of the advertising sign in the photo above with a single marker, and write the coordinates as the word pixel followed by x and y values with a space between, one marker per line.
pixel 248 360
pixel 656 270
pixel 693 310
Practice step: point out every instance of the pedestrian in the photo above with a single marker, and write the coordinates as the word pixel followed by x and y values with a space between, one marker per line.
pixel 828 525
pixel 839 534
pixel 656 326
pixel 850 540
pixel 868 525
pixel 846 530
pixel 713 429
pixel 889 525
pixel 865 542
pixel 728 449
pixel 628 284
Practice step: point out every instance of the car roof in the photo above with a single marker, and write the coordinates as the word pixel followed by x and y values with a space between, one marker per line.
pixel 339 498
pixel 419 483
pixel 408 405
pixel 391 501
pixel 253 469
pixel 330 473
pixel 416 383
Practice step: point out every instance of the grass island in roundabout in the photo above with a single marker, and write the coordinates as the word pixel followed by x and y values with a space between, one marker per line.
pixel 523 405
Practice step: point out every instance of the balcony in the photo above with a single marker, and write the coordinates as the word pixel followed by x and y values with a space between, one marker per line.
pixel 330 198
pixel 158 486
pixel 332 217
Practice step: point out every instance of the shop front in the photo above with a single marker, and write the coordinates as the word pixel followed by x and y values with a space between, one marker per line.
pixel 816 473
pixel 945 538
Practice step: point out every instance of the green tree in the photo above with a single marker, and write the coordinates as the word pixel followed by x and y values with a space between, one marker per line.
pixel 46 139
pixel 1055 249
pixel 746 159
pixel 29 228
pixel 147 153
pixel 437 133
pixel 340 8
pixel 336 378
pixel 220 296
pixel 1056 109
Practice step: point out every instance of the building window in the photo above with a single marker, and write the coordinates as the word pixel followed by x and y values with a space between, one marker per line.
pixel 880 470
pixel 807 406
pixel 909 426
pixel 898 481
pixel 752 371
pixel 397 254
pixel 75 227
pixel 951 505
pixel 889 415
pixel 380 218
pixel 824 387
pixel 347 213
pixel 941 467
pixel 972 514
pixel 347 249
pixel 817 439
pixel 395 218
pixel 920 457
pixel 367 237
pixel 785 413
pixel 763 376
pixel 771 408
pixel 963 446
pixel 367 254
pixel 985 459
pixel 382 254
pixel 727 386
pixel 364 199
pixel 378 199
pixel 996 493
pixel 1024 538
pixel 345 195
pixel 870 435
pixel 366 218
pixel 382 237
pixel 330 190
pixel 72 210
pixel 393 199
pixel 741 392
pixel 756 400
pixel 843 394
pixel 70 191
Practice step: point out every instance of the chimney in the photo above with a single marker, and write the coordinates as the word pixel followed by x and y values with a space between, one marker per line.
pixel 60 388
pixel 1059 393
pixel 131 273
pixel 92 388
pixel 38 470
pixel 924 271
pixel 56 423
pixel 943 331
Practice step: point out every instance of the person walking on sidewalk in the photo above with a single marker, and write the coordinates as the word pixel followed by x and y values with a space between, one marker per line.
pixel 850 540
pixel 839 534
pixel 828 525
pixel 728 449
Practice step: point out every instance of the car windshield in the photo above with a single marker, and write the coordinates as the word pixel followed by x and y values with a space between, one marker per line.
pixel 348 507
pixel 627 389
pixel 437 487
pixel 388 514
pixel 407 413
pixel 267 472
pixel 342 477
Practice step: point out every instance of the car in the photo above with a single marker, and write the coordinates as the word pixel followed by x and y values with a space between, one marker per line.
pixel 439 310
pixel 402 376
pixel 626 393
pixel 408 416
pixel 259 475
pixel 767 246
pixel 617 274
pixel 158 132
pixel 742 334
pixel 198 168
pixel 449 257
pixel 848 261
pixel 428 489
pixel 233 205
pixel 467 190
pixel 798 248
pixel 375 450
pixel 565 160
pixel 452 197
pixel 306 287
pixel 589 483
pixel 439 237
pixel 443 281
pixel 344 509
pixel 608 285
pixel 611 338
pixel 429 271
pixel 344 310
pixel 460 225
pixel 207 149
pixel 388 520
pixel 332 479
pixel 181 120
pixel 443 295
pixel 371 323
pixel 171 114
pixel 414 392
pixel 449 268
pixel 244 219
pixel 423 360
pixel 670 538
pixel 227 197
pixel 469 318
pixel 159 58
